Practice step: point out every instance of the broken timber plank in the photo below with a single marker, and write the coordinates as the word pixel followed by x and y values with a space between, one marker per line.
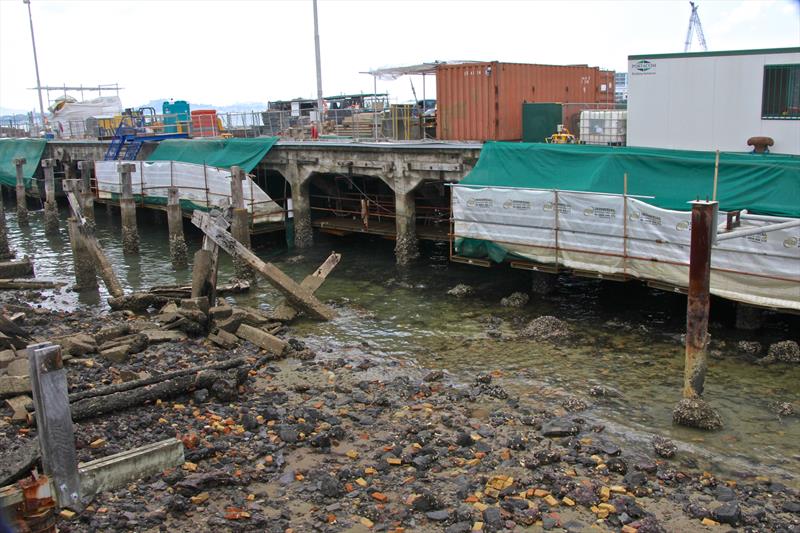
pixel 284 311
pixel 25 284
pixel 104 267
pixel 114 471
pixel 300 297
pixel 262 339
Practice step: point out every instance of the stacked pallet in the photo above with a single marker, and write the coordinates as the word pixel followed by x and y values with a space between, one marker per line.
pixel 359 125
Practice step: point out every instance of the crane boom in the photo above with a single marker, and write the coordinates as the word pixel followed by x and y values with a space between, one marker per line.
pixel 694 24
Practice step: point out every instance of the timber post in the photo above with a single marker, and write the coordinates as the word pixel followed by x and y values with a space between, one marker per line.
pixel 127 206
pixel 177 243
pixel 102 265
pixel 5 251
pixel 692 410
pixel 54 422
pixel 50 206
pixel 85 273
pixel 240 223
pixel 22 201
pixel 87 197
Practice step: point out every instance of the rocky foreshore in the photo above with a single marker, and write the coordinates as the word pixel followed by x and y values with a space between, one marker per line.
pixel 292 440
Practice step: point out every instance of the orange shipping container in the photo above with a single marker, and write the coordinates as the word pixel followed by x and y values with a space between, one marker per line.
pixel 483 101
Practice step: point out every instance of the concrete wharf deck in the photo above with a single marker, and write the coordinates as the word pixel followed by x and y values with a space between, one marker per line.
pixel 401 166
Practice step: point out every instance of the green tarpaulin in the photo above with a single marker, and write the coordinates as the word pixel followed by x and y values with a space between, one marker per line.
pixel 222 153
pixel 11 149
pixel 766 184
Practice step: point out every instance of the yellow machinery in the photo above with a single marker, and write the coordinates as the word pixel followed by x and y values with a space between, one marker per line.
pixel 562 136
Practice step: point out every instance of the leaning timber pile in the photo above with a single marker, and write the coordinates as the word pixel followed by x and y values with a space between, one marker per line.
pixel 278 438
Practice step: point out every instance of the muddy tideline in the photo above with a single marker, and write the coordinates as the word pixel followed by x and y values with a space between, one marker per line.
pixel 507 419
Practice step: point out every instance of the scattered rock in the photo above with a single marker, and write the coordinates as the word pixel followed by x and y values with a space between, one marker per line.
pixel 664 447
pixel 751 348
pixel 728 513
pixel 573 404
pixel 517 299
pixel 460 291
pixel 785 351
pixel 783 408
pixel 546 328
pixel 559 427
pixel 696 413
pixel 434 375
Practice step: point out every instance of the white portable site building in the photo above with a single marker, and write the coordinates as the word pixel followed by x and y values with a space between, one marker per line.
pixel 715 100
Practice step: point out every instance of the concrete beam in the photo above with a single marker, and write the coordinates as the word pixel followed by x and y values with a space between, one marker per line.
pixel 437 167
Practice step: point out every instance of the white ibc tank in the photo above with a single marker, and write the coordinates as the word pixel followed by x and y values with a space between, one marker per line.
pixel 604 126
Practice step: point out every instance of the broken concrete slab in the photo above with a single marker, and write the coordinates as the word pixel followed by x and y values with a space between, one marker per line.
pixel 18 367
pixel 117 354
pixel 195 304
pixel 111 333
pixel 18 407
pixel 262 339
pixel 223 339
pixel 157 336
pixel 220 312
pixel 6 356
pixel 78 345
pixel 231 324
pixel 253 317
pixel 14 385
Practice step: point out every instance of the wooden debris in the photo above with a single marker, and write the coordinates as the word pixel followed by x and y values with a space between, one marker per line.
pixel 101 261
pixel 16 269
pixel 284 312
pixel 29 284
pixel 298 296
pixel 139 301
pixel 262 339
pixel 185 291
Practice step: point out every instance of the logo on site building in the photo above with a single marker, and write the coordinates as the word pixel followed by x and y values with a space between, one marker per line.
pixel 643 67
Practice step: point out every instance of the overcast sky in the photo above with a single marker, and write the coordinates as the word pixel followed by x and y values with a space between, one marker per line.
pixel 224 52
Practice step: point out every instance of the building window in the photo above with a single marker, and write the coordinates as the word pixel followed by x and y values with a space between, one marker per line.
pixel 781 96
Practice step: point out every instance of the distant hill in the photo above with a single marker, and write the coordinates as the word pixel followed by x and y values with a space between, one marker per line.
pixel 239 107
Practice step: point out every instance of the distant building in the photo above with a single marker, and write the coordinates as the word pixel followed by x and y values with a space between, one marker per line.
pixel 621 87
pixel 715 100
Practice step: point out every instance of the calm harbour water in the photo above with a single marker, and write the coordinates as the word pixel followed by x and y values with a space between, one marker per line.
pixel 630 335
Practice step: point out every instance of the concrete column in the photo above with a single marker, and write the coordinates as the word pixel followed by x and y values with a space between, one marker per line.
pixel 301 211
pixel 240 223
pixel 85 273
pixel 87 197
pixel 22 201
pixel 50 206
pixel 177 244
pixel 543 283
pixel 5 251
pixel 406 248
pixel 127 207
